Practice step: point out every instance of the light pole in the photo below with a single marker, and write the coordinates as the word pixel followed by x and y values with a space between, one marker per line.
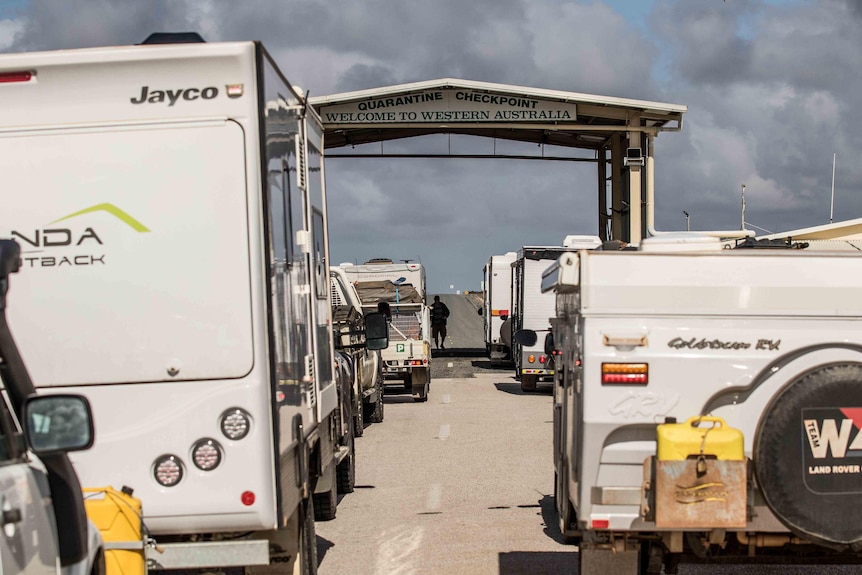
pixel 743 207
pixel 687 221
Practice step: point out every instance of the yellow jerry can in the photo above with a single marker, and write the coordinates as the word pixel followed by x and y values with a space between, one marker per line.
pixel 700 435
pixel 699 475
pixel 118 517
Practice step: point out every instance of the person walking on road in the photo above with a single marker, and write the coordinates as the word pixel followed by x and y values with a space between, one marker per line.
pixel 439 314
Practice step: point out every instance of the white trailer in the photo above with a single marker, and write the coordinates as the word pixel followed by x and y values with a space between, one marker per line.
pixel 401 285
pixel 707 403
pixel 532 309
pixel 497 306
pixel 170 205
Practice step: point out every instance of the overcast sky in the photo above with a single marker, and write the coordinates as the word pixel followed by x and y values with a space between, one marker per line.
pixel 772 87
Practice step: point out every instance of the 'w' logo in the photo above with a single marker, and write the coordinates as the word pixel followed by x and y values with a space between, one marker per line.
pixel 826 437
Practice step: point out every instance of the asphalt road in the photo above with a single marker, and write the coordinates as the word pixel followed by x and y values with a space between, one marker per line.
pixel 464 333
pixel 463 484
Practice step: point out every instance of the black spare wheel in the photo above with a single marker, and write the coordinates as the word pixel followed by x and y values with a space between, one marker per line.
pixel 808 456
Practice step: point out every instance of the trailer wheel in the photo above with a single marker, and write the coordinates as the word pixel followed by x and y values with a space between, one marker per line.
pixel 420 384
pixel 326 504
pixel 528 381
pixel 565 511
pixel 358 419
pixel 374 411
pixel 806 456
pixel 307 539
pixel 345 473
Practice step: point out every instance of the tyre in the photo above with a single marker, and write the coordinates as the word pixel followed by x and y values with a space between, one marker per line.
pixel 565 512
pixel 307 540
pixel 326 504
pixel 807 452
pixel 358 418
pixel 374 411
pixel 408 381
pixel 528 381
pixel 345 473
pixel 358 424
pixel 420 384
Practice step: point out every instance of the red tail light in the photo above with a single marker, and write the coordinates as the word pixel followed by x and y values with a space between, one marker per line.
pixel 8 77
pixel 625 373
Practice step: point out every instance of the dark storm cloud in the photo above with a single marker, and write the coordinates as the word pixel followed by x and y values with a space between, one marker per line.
pixel 772 92
pixel 50 25
pixel 770 99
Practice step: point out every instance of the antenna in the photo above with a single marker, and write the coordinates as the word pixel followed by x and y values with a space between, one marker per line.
pixel 743 207
pixel 687 221
pixel 832 206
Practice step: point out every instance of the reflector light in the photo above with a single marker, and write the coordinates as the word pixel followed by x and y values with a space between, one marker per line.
pixel 601 523
pixel 235 423
pixel 531 358
pixel 625 373
pixel 247 498
pixel 8 77
pixel 206 454
pixel 168 470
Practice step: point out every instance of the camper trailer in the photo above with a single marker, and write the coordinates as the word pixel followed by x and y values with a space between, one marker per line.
pixel 169 202
pixel 497 306
pixel 706 402
pixel 399 287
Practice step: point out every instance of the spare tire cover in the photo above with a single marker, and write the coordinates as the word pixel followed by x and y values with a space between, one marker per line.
pixel 808 456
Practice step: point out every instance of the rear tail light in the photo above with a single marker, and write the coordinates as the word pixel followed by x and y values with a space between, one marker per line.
pixel 10 77
pixel 625 373
pixel 542 359
pixel 168 470
pixel 206 454
pixel 235 423
pixel 531 358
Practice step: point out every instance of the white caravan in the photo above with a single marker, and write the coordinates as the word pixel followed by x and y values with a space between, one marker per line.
pixel 533 310
pixel 707 403
pixel 497 306
pixel 170 205
pixel 402 287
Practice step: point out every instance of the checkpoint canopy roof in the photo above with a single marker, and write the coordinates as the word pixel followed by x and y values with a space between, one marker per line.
pixel 500 111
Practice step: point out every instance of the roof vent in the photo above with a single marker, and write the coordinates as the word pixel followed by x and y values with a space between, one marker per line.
pixel 681 242
pixel 582 242
pixel 174 38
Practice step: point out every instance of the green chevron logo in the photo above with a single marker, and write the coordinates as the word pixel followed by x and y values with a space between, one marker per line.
pixel 114 211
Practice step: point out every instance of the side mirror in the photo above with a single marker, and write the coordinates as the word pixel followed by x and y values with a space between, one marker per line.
pixel 549 343
pixel 58 423
pixel 526 337
pixel 376 331
pixel 479 311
